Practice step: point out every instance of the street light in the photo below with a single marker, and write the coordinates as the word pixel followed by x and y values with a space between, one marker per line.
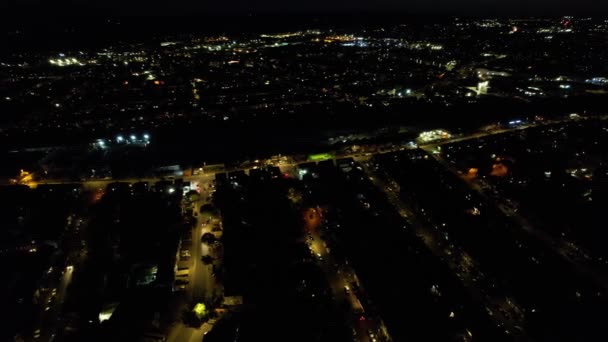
pixel 133 137
pixel 120 138
pixel 146 136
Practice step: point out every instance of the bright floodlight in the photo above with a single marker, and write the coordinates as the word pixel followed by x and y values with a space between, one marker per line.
pixel 104 316
pixel 120 138
pixel 146 136
pixel 101 143
pixel 171 190
pixel 133 137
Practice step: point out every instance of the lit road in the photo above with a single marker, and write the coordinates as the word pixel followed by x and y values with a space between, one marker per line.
pixel 66 280
pixel 566 249
pixel 341 278
pixel 96 184
pixel 55 282
pixel 458 261
pixel 51 304
pixel 201 283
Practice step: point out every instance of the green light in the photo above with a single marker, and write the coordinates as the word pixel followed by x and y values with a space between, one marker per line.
pixel 320 156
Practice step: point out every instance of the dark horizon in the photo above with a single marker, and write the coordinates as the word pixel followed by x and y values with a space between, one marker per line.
pixel 38 9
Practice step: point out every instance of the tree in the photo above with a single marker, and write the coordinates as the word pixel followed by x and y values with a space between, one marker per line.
pixel 209 209
pixel 207 260
pixel 193 195
pixel 208 238
pixel 294 196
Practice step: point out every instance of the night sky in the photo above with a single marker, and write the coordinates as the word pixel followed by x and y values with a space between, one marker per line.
pixel 185 7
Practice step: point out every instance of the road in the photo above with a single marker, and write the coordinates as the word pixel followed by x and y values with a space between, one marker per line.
pixel 343 280
pixel 51 302
pixel 562 247
pixel 458 261
pixel 289 163
pixel 201 283
pixel 55 311
pixel 56 280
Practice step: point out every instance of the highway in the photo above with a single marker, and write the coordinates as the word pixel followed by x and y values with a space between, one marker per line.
pixel 458 261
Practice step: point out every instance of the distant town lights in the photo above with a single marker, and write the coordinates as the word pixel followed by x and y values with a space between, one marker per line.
pixel 146 136
pixel 120 138
pixel 133 137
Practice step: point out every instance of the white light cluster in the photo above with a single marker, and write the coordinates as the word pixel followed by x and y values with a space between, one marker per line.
pixel 434 135
pixel 65 62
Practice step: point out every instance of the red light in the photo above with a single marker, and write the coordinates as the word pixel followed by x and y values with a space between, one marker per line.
pixel 157 82
pixel 362 318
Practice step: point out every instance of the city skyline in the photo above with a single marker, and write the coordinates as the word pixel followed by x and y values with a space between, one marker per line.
pixel 326 178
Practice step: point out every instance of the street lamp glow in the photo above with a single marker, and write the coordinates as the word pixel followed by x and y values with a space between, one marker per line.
pixel 133 137
pixel 120 138
pixel 146 136
pixel 200 310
